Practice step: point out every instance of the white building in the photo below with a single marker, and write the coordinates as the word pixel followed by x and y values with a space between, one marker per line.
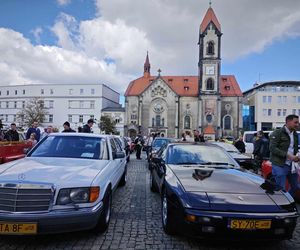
pixel 117 114
pixel 75 103
pixel 269 103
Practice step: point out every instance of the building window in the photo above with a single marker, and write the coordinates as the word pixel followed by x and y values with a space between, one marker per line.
pixel 153 121
pixel 298 99
pixel 51 91
pixel 294 111
pixel 299 112
pixel 15 105
pixel 227 122
pixel 42 91
pixel 7 92
pixel 92 104
pixel 69 118
pixel 210 84
pixel 7 105
pixel 80 118
pixel 117 120
pixel 50 118
pixel 6 118
pixel 81 104
pixel 210 48
pixel 269 99
pixel 16 92
pixel 284 112
pixel 92 91
pixel 0 92
pixel 81 91
pixel 70 91
pixel 51 104
pixel 92 117
pixel 15 118
pixel 187 122
pixel 157 120
pixel 269 112
pixel 23 104
pixel 264 99
pixel 133 117
pixel 24 91
pixel 278 112
pixel 209 118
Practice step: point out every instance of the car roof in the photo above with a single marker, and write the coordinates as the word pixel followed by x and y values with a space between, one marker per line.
pixel 81 135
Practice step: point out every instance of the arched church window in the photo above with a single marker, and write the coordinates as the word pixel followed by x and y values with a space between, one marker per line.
pixel 157 118
pixel 210 84
pixel 163 121
pixel 153 122
pixel 227 122
pixel 187 122
pixel 210 48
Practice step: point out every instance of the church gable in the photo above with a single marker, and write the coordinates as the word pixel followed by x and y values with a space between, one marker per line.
pixel 158 88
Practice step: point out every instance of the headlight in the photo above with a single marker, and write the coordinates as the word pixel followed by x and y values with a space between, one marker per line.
pixel 77 195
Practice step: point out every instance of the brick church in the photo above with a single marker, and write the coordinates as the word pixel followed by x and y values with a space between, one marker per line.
pixel 169 105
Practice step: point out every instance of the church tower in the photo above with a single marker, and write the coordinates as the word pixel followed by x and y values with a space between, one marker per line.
pixel 209 74
pixel 147 67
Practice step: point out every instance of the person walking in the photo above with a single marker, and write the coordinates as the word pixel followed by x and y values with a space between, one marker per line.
pixel 148 145
pixel 284 153
pixel 87 127
pixel 12 134
pixel 48 131
pixel 34 129
pixel 139 142
pixel 67 128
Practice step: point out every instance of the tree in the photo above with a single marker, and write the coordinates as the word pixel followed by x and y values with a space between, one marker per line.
pixel 107 125
pixel 34 111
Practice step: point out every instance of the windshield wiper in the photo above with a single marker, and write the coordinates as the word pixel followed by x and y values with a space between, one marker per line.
pixel 187 163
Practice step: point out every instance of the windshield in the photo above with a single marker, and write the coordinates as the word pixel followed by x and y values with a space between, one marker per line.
pixel 228 147
pixel 157 143
pixel 198 154
pixel 70 147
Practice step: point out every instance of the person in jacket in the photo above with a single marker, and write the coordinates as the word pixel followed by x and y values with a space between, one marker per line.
pixel 67 128
pixel 283 152
pixel 47 131
pixel 139 142
pixel 12 134
pixel 87 127
pixel 34 129
pixel 261 149
pixel 240 145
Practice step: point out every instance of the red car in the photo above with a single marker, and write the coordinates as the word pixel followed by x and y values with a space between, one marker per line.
pixel 10 151
pixel 266 172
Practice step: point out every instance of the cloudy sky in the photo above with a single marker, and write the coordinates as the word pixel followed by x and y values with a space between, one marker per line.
pixel 106 41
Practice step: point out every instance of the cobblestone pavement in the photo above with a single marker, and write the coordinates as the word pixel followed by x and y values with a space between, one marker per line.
pixel 136 224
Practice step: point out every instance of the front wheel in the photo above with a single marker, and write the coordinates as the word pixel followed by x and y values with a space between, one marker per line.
pixel 167 219
pixel 123 178
pixel 104 219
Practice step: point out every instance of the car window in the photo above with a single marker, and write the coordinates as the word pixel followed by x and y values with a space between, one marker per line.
pixel 118 144
pixel 69 147
pixel 197 154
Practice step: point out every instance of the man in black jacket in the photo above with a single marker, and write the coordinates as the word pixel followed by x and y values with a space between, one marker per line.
pixel 67 128
pixel 12 134
pixel 87 127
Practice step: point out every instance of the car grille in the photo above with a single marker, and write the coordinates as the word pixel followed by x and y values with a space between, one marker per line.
pixel 25 198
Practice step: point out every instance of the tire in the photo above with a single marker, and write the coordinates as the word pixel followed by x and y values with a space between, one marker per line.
pixel 166 216
pixel 128 158
pixel 123 178
pixel 104 218
pixel 153 187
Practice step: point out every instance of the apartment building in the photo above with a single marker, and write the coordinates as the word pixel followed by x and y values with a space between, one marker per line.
pixel 267 104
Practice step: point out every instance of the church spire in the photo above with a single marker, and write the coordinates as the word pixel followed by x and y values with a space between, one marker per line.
pixel 147 67
pixel 209 17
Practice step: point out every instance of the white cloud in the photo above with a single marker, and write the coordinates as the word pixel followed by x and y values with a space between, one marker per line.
pixel 111 48
pixel 37 34
pixel 63 2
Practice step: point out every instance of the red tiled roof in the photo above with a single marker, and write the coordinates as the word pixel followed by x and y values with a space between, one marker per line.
pixel 209 17
pixel 184 85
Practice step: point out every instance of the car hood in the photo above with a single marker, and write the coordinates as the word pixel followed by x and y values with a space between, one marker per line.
pixel 239 156
pixel 58 171
pixel 227 190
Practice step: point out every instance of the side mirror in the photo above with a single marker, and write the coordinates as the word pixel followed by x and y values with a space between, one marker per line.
pixel 118 155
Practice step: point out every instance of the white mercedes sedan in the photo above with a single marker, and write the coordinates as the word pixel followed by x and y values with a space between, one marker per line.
pixel 65 183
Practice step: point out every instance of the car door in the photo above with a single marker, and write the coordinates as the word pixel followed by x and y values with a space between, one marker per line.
pixel 159 168
pixel 119 162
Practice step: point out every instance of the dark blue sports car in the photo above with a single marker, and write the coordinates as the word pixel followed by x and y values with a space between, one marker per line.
pixel 205 193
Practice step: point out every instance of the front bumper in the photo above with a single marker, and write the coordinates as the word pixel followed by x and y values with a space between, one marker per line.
pixel 57 221
pixel 217 225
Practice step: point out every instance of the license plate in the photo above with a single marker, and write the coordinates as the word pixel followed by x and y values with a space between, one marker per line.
pixel 18 228
pixel 250 224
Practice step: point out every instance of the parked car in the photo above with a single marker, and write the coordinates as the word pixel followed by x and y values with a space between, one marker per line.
pixel 64 184
pixel 205 193
pixel 244 160
pixel 157 143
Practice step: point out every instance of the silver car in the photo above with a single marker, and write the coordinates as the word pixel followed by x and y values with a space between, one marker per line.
pixel 64 184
